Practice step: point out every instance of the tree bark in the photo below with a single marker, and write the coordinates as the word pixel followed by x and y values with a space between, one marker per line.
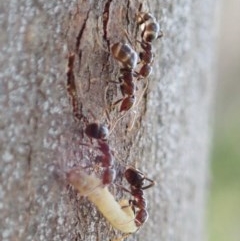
pixel 170 137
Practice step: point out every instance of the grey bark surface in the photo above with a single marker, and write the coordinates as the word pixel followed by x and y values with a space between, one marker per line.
pixel 170 138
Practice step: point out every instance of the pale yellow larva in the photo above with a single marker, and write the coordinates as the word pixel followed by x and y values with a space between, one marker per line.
pixel 119 215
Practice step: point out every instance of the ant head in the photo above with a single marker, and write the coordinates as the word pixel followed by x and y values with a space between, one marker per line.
pixel 97 131
pixel 134 177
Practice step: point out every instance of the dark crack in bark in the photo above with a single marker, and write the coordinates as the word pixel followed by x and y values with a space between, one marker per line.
pixel 79 36
pixel 72 89
pixel 127 17
pixel 105 21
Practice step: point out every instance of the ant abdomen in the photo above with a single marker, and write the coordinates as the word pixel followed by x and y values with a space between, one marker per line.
pixel 150 27
pixel 141 217
pixel 151 32
pixel 127 103
pixel 125 55
pixel 145 70
pixel 127 88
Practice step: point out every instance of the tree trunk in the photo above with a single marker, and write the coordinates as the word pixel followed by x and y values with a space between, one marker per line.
pixel 169 140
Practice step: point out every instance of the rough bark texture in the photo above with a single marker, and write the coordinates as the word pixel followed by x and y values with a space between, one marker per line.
pixel 169 140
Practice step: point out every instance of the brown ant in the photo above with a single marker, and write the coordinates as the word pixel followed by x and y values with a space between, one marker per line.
pixel 128 58
pixel 100 133
pixel 136 179
pixel 93 130
pixel 150 32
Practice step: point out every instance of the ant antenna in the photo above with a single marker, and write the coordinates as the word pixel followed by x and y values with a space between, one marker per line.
pixel 118 119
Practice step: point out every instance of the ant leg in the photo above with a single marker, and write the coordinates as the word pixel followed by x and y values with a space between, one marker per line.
pixel 127 36
pixel 89 145
pixel 114 82
pixel 125 189
pixel 129 128
pixel 118 119
pixel 127 101
pixel 118 101
pixel 106 112
pixel 142 94
pixel 110 125
pixel 136 105
pixel 161 34
pixel 152 183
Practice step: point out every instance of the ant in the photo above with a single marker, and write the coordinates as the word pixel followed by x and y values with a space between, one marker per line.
pixel 150 32
pixel 100 133
pixel 128 58
pixel 136 179
pixel 93 130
